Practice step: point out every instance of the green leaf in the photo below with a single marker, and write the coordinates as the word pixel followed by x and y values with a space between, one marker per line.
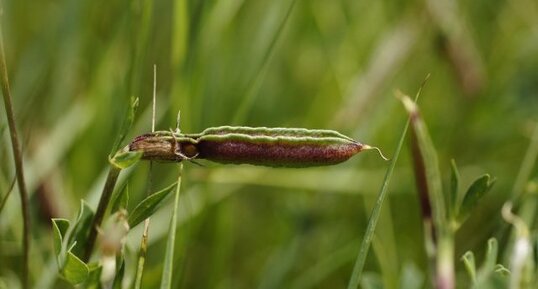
pixel 74 271
pixel 126 159
pixel 470 264
pixel 168 270
pixel 126 125
pixel 149 206
pixel 94 277
pixel 121 199
pixel 454 190
pixel 475 192
pixel 82 227
pixel 59 228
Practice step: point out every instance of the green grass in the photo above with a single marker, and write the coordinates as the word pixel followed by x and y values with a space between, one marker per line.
pixel 74 65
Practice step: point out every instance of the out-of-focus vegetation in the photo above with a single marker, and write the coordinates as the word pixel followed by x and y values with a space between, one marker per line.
pixel 74 64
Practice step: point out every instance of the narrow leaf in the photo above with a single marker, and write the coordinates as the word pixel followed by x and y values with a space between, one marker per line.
pixel 149 206
pixel 376 211
pixel 126 126
pixel 168 270
pixel 82 227
pixel 94 277
pixel 74 271
pixel 374 216
pixel 475 192
pixel 126 159
pixel 453 204
pixel 59 228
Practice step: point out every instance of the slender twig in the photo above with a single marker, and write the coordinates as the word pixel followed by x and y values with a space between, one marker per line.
pixel 110 183
pixel 17 155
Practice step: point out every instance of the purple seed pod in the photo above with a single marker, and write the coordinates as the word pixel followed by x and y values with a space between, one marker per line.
pixel 273 147
pixel 276 151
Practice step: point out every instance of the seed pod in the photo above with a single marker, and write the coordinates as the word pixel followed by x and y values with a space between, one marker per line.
pixel 274 147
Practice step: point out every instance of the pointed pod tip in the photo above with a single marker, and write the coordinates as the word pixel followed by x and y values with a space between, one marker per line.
pixel 367 147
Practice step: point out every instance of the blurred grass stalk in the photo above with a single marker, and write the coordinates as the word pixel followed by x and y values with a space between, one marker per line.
pixel 439 237
pixel 17 155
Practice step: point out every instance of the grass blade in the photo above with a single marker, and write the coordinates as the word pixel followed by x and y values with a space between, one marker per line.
pixel 166 280
pixel 376 211
pixel 374 217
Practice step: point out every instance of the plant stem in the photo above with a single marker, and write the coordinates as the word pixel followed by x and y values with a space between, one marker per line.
pixel 445 262
pixel 110 183
pixel 17 155
pixel 141 257
pixel 374 217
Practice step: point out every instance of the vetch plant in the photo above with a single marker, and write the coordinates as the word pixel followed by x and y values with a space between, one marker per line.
pixel 273 147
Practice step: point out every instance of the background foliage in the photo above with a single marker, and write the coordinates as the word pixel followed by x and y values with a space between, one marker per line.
pixel 74 65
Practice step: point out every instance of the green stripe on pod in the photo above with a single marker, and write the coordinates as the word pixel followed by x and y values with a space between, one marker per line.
pixel 276 151
pixel 266 131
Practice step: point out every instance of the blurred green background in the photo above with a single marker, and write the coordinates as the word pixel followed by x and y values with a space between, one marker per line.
pixel 73 64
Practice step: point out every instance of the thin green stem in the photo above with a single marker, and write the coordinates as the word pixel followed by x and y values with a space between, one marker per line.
pixel 110 183
pixel 374 217
pixel 17 155
pixel 141 257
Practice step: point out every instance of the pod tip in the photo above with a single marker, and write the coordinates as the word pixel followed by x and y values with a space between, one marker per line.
pixel 367 147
